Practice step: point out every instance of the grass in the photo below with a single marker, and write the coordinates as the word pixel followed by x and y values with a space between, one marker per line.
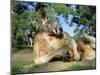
pixel 77 67
pixel 23 47
pixel 17 68
pixel 30 66
pixel 22 67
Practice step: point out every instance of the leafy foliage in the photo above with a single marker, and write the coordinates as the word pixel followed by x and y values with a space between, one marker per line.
pixel 26 16
pixel 85 18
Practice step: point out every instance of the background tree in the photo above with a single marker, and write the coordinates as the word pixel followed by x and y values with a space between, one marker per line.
pixel 26 16
pixel 85 18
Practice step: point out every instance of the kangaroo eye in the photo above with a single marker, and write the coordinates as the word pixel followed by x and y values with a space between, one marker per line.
pixel 61 30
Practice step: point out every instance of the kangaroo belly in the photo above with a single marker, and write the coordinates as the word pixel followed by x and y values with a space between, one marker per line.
pixel 47 47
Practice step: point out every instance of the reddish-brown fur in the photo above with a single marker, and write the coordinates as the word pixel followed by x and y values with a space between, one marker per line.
pixel 86 51
pixel 47 44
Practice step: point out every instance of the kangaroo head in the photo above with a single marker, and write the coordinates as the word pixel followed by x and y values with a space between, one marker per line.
pixel 54 27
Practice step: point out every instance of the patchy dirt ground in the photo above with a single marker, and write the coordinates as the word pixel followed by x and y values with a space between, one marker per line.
pixel 23 58
pixel 22 55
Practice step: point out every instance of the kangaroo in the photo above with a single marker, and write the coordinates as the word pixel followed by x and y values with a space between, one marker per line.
pixel 86 48
pixel 48 46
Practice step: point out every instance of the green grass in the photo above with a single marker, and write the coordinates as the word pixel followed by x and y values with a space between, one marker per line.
pixel 17 68
pixel 23 47
pixel 22 67
pixel 29 67
pixel 80 67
